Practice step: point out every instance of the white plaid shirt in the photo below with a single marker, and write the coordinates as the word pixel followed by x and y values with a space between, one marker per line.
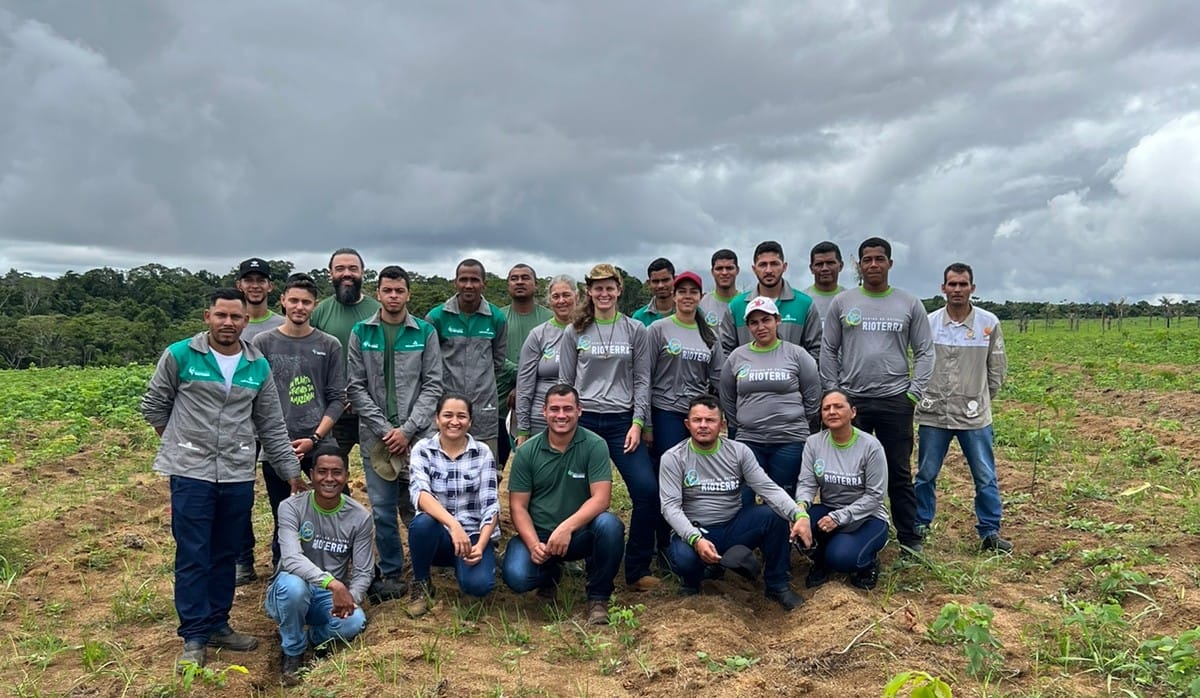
pixel 465 486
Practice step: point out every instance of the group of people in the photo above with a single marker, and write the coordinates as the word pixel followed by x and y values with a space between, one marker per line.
pixel 710 405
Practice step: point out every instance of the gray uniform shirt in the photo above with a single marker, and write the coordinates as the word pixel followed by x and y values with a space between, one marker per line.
pixel 682 365
pixel 822 299
pixel 851 479
pixel 715 309
pixel 254 329
pixel 704 488
pixel 315 544
pixel 609 364
pixel 967 373
pixel 537 370
pixel 769 395
pixel 867 336
pixel 308 375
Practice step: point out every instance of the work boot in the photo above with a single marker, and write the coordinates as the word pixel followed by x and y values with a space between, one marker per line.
pixel 244 574
pixel 867 577
pixel 993 542
pixel 597 612
pixel 785 597
pixel 194 652
pixel 817 575
pixel 420 598
pixel 227 638
pixel 290 668
pixel 386 589
pixel 646 583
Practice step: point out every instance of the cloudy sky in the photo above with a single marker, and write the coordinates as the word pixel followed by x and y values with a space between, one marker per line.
pixel 1054 145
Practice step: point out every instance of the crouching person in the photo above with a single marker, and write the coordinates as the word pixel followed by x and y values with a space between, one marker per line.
pixel 700 481
pixel 326 564
pixel 452 480
pixel 559 490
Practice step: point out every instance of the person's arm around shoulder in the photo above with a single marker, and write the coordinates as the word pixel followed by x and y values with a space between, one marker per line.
pixel 600 490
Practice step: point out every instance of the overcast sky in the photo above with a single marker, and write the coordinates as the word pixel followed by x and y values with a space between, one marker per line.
pixel 1053 145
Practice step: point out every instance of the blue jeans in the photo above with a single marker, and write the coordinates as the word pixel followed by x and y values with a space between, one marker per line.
pixel 294 603
pixel 781 462
pixel 976 445
pixel 599 543
pixel 208 520
pixel 754 527
pixel 638 473
pixel 390 504
pixel 429 544
pixel 843 551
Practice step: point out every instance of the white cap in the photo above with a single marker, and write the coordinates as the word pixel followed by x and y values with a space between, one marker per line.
pixel 761 304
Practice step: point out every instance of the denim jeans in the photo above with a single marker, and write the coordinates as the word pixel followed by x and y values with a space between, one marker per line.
pixel 754 527
pixel 390 505
pixel 890 419
pixel 976 445
pixel 208 520
pixel 294 603
pixel 638 473
pixel 781 462
pixel 843 551
pixel 599 543
pixel 429 544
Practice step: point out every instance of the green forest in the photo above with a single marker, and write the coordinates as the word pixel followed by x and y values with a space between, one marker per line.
pixel 108 316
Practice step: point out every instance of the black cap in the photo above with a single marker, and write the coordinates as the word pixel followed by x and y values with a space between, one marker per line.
pixel 741 559
pixel 254 265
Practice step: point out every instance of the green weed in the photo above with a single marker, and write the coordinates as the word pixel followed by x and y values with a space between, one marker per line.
pixel 969 626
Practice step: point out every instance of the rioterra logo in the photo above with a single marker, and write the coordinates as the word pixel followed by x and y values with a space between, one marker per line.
pixel 711 319
pixel 691 478
pixel 584 343
pixel 549 352
pixel 674 347
pixel 743 371
pixel 301 390
pixel 818 467
pixel 853 317
pixel 306 531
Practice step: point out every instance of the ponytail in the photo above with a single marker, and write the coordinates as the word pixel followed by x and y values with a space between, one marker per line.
pixel 585 314
pixel 706 330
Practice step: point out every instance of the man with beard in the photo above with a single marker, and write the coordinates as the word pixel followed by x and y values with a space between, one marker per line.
pixel 715 303
pixel 825 263
pixel 337 316
pixel 209 395
pixel 474 340
pixel 799 322
pixel 254 281
pixel 522 315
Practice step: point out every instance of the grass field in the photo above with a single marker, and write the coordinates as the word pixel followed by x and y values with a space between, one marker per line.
pixel 1097 433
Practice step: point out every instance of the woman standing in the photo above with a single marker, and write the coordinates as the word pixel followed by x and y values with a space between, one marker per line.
pixel 452 481
pixel 848 469
pixel 537 367
pixel 685 364
pixel 606 357
pixel 769 391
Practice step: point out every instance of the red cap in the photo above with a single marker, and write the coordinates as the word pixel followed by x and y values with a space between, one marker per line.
pixel 689 276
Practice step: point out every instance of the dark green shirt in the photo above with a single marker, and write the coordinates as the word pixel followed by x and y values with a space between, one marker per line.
pixel 390 332
pixel 336 319
pixel 558 483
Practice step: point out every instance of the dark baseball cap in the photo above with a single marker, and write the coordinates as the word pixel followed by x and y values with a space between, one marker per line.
pixel 254 265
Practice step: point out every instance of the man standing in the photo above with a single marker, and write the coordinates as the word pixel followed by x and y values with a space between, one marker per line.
pixel 521 316
pixel 825 263
pixel 865 354
pixel 660 277
pixel 254 281
pixel 394 380
pixel 560 486
pixel 968 371
pixel 326 566
pixel 207 399
pixel 700 482
pixel 474 342
pixel 309 374
pixel 337 315
pixel 715 304
pixel 799 322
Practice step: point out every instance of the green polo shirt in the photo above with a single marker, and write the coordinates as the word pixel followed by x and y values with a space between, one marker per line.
pixel 558 483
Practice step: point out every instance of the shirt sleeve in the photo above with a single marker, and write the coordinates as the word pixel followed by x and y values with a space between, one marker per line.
pixel 599 464
pixel 272 430
pixel 356 389
pixel 670 490
pixel 811 335
pixel 335 380
pixel 727 395
pixel 727 332
pixel 641 371
pixel 160 393
pixel 997 361
pixel 499 341
pixel 489 493
pixel 520 479
pixel 874 486
pixel 418 472
pixel 527 370
pixel 920 338
pixel 568 356
pixel 810 385
pixel 830 364
pixel 420 418
pixel 362 570
pixel 806 485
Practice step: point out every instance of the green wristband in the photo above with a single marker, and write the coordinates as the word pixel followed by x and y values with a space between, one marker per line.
pixel 327 581
pixel 693 538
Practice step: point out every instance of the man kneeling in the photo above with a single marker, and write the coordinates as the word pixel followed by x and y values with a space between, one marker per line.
pixel 700 481
pixel 326 564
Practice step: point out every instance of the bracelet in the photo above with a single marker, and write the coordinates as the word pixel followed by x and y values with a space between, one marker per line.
pixel 800 514
pixel 693 538
pixel 315 438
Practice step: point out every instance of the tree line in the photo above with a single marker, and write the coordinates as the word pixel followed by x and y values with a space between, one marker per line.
pixel 108 316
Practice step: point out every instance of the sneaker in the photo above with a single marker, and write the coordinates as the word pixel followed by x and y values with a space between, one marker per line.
pixel 816 577
pixel 867 577
pixel 229 639
pixel 194 653
pixel 244 574
pixel 420 598
pixel 386 588
pixel 289 670
pixel 913 549
pixel 597 612
pixel 993 542
pixel 687 591
pixel 785 597
pixel 647 583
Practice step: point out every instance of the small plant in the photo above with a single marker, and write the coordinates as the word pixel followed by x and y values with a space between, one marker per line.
pixel 94 655
pixel 511 631
pixel 1172 662
pixel 1116 580
pixel 919 685
pixel 625 620
pixel 191 671
pixel 969 626
pixel 730 665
